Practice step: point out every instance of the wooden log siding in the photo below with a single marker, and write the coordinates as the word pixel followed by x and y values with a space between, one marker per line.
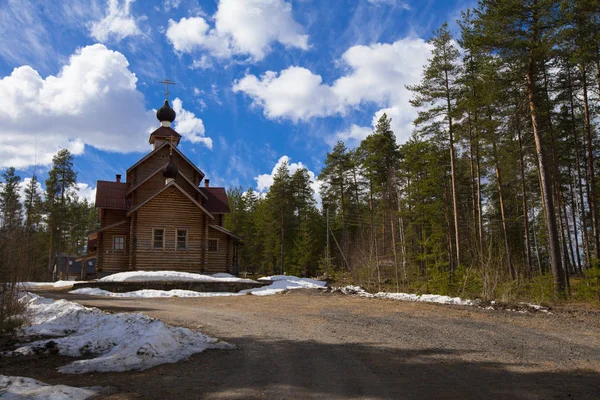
pixel 181 213
pixel 115 260
pixel 219 261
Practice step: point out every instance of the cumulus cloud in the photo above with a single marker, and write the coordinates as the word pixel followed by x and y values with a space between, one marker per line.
pixel 93 100
pixel 377 74
pixel 117 24
pixel 265 181
pixel 190 127
pixel 242 27
pixel 85 191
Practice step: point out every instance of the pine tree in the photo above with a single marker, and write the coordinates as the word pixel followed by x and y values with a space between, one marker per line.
pixel 10 206
pixel 436 98
pixel 522 34
pixel 59 186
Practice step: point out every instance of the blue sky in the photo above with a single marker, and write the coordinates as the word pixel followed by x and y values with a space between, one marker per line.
pixel 258 81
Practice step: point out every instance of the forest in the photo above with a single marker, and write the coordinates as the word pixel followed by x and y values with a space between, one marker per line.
pixel 496 193
pixel 36 224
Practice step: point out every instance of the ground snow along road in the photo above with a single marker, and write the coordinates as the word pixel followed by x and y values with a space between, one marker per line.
pixel 307 344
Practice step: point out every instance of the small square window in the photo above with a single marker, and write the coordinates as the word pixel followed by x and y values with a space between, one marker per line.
pixel 182 239
pixel 158 238
pixel 118 243
pixel 213 245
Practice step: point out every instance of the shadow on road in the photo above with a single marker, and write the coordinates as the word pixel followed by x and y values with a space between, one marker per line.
pixel 309 369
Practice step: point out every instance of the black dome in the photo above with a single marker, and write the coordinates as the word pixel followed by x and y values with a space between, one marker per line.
pixel 166 113
pixel 170 171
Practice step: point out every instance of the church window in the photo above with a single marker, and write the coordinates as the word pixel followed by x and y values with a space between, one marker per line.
pixel 158 239
pixel 118 242
pixel 182 239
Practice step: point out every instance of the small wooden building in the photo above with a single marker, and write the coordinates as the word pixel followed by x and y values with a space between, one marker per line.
pixel 161 217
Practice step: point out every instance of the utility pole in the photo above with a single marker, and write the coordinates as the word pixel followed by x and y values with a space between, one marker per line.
pixel 327 254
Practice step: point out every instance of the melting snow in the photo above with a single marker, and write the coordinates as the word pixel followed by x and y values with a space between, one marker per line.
pixel 279 284
pixel 17 387
pixel 427 298
pixel 138 276
pixel 120 342
pixel 57 284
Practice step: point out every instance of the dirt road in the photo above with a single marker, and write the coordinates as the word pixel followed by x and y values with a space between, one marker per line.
pixel 305 345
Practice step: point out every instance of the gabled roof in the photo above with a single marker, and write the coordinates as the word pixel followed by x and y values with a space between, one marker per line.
pixel 227 232
pixel 175 149
pixel 170 184
pixel 164 132
pixel 111 195
pixel 216 200
pixel 159 169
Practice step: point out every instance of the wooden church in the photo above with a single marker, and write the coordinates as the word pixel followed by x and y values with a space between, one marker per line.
pixel 161 217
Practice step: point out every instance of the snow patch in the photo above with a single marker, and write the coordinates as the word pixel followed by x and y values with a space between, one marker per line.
pixel 150 293
pixel 141 276
pixel 120 342
pixel 279 284
pixel 427 298
pixel 57 284
pixel 17 387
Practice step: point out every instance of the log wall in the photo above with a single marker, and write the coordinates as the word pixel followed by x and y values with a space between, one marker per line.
pixel 180 214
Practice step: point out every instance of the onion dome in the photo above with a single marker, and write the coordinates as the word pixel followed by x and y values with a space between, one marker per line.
pixel 166 113
pixel 170 171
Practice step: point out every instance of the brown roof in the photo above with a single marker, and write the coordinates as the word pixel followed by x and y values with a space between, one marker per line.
pixel 111 195
pixel 174 149
pixel 164 132
pixel 216 201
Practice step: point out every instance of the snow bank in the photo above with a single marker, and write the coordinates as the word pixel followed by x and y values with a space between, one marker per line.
pixel 139 276
pixel 17 387
pixel 278 285
pixel 304 282
pixel 120 342
pixel 427 298
pixel 57 284
pixel 150 293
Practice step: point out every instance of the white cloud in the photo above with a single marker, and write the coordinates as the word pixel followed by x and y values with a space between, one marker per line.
pixel 377 74
pixel 85 191
pixel 190 127
pixel 396 3
pixel 351 136
pixel 242 27
pixel 117 24
pixel 93 100
pixel 265 181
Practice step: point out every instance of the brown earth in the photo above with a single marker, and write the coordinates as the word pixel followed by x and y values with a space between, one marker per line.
pixel 308 344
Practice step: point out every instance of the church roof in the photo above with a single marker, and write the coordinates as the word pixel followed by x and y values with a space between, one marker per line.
pixel 112 195
pixel 175 149
pixel 164 132
pixel 216 200
pixel 171 184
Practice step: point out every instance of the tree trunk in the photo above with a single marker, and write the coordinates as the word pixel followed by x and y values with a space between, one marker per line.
pixel 578 170
pixel 546 188
pixel 574 218
pixel 511 269
pixel 590 165
pixel 524 199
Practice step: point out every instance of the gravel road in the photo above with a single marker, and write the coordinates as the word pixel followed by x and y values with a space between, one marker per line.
pixel 307 344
